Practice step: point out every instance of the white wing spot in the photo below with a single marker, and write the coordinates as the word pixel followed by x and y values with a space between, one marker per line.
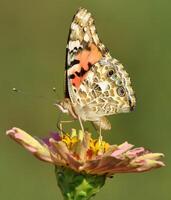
pixel 86 37
pixel 73 44
pixel 104 86
pixel 74 26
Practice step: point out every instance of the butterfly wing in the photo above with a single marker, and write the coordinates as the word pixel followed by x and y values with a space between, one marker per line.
pixel 92 76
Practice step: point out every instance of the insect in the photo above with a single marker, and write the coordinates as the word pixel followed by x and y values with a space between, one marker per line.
pixel 96 85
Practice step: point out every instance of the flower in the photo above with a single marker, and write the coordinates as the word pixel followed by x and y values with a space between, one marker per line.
pixel 81 153
pixel 83 163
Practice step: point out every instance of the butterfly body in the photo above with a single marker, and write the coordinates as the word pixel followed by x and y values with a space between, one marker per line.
pixel 96 84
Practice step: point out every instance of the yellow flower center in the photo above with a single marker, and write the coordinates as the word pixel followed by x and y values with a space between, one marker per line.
pixel 94 146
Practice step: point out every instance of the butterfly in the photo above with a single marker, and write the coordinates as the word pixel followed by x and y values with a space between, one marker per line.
pixel 96 85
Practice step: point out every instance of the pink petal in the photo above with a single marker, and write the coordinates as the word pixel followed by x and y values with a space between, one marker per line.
pixel 30 143
pixel 121 149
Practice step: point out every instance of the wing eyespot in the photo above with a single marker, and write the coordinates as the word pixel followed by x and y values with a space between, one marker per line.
pixel 110 73
pixel 121 91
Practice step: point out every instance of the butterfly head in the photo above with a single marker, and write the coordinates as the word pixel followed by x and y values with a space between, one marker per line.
pixel 66 107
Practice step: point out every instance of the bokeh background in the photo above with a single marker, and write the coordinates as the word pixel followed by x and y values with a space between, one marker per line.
pixel 33 37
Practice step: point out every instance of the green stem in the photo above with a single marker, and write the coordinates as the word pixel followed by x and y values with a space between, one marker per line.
pixel 78 186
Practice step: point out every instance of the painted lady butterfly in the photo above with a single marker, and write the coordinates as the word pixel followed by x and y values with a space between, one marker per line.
pixel 96 84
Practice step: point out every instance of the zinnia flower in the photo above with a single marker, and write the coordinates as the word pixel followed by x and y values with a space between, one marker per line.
pixel 83 163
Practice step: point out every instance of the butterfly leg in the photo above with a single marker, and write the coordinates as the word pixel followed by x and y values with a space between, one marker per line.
pixel 100 133
pixel 60 125
pixel 81 124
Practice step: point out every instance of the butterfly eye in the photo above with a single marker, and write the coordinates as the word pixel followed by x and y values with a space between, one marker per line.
pixel 110 73
pixel 121 91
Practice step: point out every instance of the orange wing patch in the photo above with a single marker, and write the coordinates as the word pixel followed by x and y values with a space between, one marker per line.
pixel 86 58
pixel 92 55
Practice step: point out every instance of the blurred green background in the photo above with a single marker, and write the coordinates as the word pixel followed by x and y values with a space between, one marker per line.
pixel 33 37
